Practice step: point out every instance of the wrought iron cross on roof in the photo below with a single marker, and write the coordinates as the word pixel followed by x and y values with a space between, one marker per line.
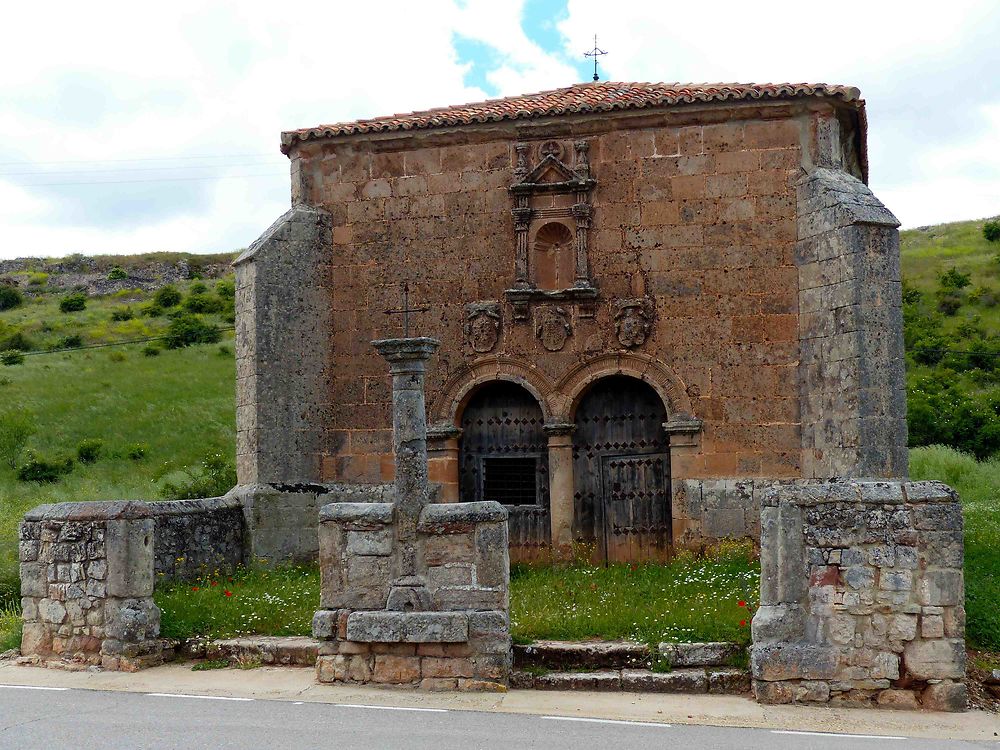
pixel 595 53
pixel 405 310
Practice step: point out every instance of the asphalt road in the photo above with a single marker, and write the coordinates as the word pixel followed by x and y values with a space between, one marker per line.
pixel 52 719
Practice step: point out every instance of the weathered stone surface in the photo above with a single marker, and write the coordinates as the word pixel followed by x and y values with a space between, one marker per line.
pixel 945 696
pixel 710 654
pixel 410 627
pixel 676 681
pixel 898 699
pixel 601 680
pixel 935 659
pixel 558 655
pixel 729 681
pixel 397 669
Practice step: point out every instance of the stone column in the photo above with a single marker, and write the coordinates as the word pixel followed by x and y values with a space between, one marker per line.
pixel 442 460
pixel 407 360
pixel 561 487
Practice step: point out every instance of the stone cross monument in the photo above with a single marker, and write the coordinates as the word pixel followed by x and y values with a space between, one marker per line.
pixel 413 592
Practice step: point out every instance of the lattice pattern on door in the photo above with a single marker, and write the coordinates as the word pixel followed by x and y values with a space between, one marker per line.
pixel 621 468
pixel 502 438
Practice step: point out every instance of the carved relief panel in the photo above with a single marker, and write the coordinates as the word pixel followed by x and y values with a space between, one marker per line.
pixel 633 321
pixel 482 326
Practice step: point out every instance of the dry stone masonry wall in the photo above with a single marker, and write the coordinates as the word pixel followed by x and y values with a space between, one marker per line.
pixel 197 536
pixel 862 596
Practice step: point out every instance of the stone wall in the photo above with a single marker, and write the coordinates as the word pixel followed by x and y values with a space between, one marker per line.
pixel 853 395
pixel 458 640
pixel 862 596
pixel 192 537
pixel 87 585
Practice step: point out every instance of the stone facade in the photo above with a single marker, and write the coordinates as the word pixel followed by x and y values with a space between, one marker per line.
pixel 87 585
pixel 862 596
pixel 413 593
pixel 726 253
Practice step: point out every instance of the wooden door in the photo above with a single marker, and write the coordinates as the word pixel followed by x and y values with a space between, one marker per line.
pixel 621 469
pixel 503 456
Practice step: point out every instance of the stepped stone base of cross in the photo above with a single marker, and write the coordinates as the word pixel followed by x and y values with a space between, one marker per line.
pixel 413 592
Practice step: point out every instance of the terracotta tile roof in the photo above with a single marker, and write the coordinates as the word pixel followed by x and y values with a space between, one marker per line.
pixel 603 96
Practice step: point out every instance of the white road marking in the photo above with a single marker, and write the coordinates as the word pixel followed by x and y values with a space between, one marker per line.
pixel 834 734
pixel 609 721
pixel 392 708
pixel 297 703
pixel 30 687
pixel 203 697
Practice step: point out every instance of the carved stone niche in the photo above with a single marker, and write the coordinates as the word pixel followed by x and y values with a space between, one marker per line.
pixel 552 212
pixel 482 325
pixel 633 321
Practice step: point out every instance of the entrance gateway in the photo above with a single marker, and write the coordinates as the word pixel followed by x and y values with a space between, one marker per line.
pixel 620 468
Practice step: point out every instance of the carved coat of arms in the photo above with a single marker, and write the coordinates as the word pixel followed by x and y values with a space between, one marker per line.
pixel 633 321
pixel 482 325
pixel 552 327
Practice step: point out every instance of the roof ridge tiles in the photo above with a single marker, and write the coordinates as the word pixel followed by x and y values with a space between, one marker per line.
pixel 579 98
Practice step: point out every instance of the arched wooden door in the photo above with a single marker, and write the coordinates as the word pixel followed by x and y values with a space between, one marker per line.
pixel 503 456
pixel 621 471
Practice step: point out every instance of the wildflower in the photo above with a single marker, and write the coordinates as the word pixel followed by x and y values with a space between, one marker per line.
pixel 227 592
pixel 743 623
pixel 742 603
pixel 194 588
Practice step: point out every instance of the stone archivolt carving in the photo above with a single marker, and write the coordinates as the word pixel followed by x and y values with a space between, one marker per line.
pixel 633 321
pixel 552 327
pixel 482 325
pixel 551 191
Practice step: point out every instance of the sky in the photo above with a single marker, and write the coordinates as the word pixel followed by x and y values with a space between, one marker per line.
pixel 132 127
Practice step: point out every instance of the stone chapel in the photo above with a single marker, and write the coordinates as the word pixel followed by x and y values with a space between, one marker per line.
pixel 654 302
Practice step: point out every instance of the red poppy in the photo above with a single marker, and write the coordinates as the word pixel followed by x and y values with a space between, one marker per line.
pixel 743 623
pixel 742 603
pixel 194 588
pixel 227 592
pixel 215 583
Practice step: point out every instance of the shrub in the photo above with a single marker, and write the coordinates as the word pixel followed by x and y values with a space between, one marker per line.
pixel 117 273
pixel 167 296
pixel 226 288
pixel 16 427
pixel 136 451
pixel 949 303
pixel 11 357
pixel 17 340
pixel 991 230
pixel 152 310
pixel 203 303
pixel 954 279
pixel 39 469
pixel 122 313
pixel 190 329
pixel 73 302
pixel 151 350
pixel 198 287
pixel 225 351
pixel 38 278
pixel 214 476
pixel 89 450
pixel 10 297
pixel 72 341
pixel 117 356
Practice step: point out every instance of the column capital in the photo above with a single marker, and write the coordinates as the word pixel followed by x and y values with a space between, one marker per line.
pixel 400 352
pixel 444 432
pixel 554 429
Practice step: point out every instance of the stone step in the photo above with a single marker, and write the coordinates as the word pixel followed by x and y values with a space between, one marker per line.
pixel 728 681
pixel 602 655
pixel 296 651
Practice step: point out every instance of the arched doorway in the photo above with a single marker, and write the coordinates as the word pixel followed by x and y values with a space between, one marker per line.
pixel 503 456
pixel 621 471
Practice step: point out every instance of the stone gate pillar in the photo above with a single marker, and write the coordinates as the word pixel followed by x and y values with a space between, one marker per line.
pixel 561 486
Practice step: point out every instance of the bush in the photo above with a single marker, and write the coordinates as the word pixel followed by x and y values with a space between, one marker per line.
pixel 167 296
pixel 117 356
pixel 122 313
pixel 215 476
pixel 949 303
pixel 225 351
pixel 991 230
pixel 151 350
pixel 74 302
pixel 38 278
pixel 136 451
pixel 72 341
pixel 198 287
pixel 190 329
pixel 954 279
pixel 17 340
pixel 16 427
pixel 117 273
pixel 942 412
pixel 226 288
pixel 89 450
pixel 10 297
pixel 152 310
pixel 39 469
pixel 203 303
pixel 11 357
